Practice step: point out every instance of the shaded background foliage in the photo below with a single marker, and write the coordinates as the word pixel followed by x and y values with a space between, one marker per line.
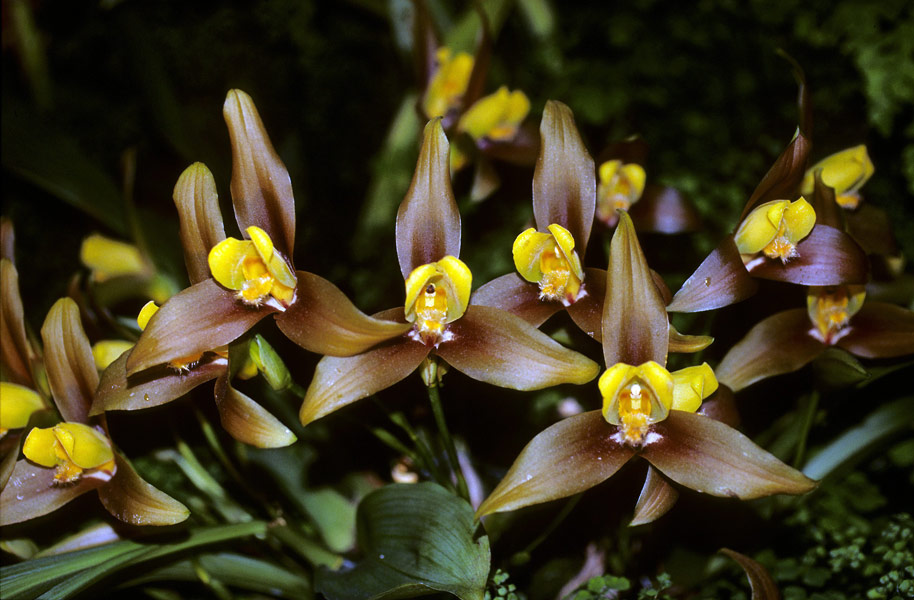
pixel 85 81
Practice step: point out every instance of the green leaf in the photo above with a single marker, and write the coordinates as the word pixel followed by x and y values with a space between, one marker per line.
pixel 885 421
pixel 334 516
pixel 234 570
pixel 416 538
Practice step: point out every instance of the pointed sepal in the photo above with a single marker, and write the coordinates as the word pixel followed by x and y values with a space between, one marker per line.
pixel 656 499
pixel 247 421
pixel 720 280
pixel 72 375
pixel 200 218
pixel 132 500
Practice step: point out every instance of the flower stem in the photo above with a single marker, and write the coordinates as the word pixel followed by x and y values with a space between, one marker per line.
pixel 435 400
pixel 809 414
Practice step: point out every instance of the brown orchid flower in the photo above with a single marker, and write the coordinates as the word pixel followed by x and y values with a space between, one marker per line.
pixel 235 284
pixel 834 316
pixel 548 258
pixel 647 411
pixel 77 455
pixel 484 342
pixel 779 236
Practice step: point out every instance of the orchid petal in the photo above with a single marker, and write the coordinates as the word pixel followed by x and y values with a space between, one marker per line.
pixel 720 280
pixel 7 240
pixel 681 342
pixel 71 367
pixel 784 177
pixel 247 421
pixel 564 181
pixel 201 221
pixel 713 458
pixel 150 388
pixel 511 293
pixel 880 330
pixel 197 319
pixel 779 344
pixel 760 580
pixel 31 492
pixel 636 327
pixel 721 406
pixel 19 402
pixel 827 256
pixel 341 381
pixel 587 311
pixel 568 457
pixel 261 188
pixel 497 347
pixel 664 209
pixel 132 500
pixel 656 499
pixel 323 320
pixel 16 353
pixel 428 223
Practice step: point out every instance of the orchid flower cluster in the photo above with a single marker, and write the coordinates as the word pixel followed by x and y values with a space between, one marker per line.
pixel 794 229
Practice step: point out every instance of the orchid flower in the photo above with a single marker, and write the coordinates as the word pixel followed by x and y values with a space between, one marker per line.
pixel 548 258
pixel 483 342
pixel 647 411
pixel 620 186
pixel 236 283
pixel 77 454
pixel 834 316
pixel 779 236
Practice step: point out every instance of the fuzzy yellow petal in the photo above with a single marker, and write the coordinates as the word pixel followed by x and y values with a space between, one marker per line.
pixel 845 171
pixel 528 247
pixel 799 219
pixel 111 258
pixel 149 309
pixel 39 447
pixel 691 386
pixel 85 446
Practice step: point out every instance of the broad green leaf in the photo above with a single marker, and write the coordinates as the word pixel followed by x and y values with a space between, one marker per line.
pixel 416 538
pixel 334 515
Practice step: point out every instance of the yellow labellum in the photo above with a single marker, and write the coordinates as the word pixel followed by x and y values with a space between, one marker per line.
pixel 636 396
pixel 621 185
pixel 253 269
pixel 449 83
pixel 692 385
pixel 550 260
pixel 775 228
pixel 437 294
pixel 496 116
pixel 109 258
pixel 845 171
pixel 72 448
pixel 19 402
pixel 830 309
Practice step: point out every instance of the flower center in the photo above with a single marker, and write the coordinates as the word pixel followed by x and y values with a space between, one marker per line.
pixel 775 228
pixel 781 246
pixel 830 310
pixel 254 270
pixel 635 406
pixel 558 282
pixel 436 294
pixel 620 187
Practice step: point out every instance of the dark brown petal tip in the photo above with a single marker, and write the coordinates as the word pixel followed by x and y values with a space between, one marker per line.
pixel 880 330
pixel 713 458
pixel 323 320
pixel 428 223
pixel 656 499
pixel 16 353
pixel 132 500
pixel 339 381
pixel 570 456
pixel 564 181
pixel 720 280
pixel 760 580
pixel 779 344
pixel 261 188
